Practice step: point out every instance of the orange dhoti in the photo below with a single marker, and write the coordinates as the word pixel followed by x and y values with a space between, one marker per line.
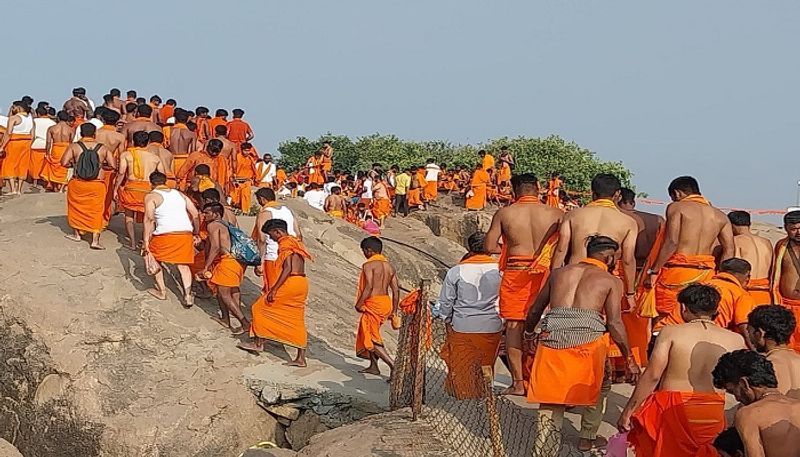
pixel 376 310
pixel 18 156
pixel 430 191
pixel 177 162
pixel 478 198
pixel 242 196
pixel 226 272
pixel 36 164
pixel 759 290
pixel 382 208
pixel 678 424
pixel 415 197
pixel 521 283
pixel 336 213
pixel 108 177
pixel 52 171
pixel 283 319
pixel 794 307
pixel 465 354
pixel 680 271
pixel 638 330
pixel 85 202
pixel 199 262
pixel 176 248
pixel 131 195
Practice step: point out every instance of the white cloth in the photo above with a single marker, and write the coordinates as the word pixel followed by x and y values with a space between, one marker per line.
pixel 25 126
pixel 171 215
pixel 40 126
pixel 284 213
pixel 367 185
pixel 316 199
pixel 269 174
pixel 469 298
pixel 432 172
pixel 328 187
pixel 94 121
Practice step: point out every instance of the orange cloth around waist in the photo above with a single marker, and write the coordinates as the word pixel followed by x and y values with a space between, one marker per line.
pixel 283 320
pixel 131 195
pixel 431 190
pixel 227 272
pixel 336 213
pixel 177 162
pixel 327 164
pixel 638 330
pixel 85 205
pixel 678 424
pixel 478 199
pixel 18 155
pixel 36 164
pixel 568 376
pixel 53 171
pixel 415 197
pixel 465 354
pixel 376 310
pixel 199 262
pixel 176 248
pixel 760 291
pixel 382 208
pixel 521 283
pixel 794 307
pixel 680 271
pixel 109 176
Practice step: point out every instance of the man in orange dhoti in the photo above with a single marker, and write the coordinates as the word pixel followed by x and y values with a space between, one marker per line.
pixel 382 205
pixel 279 314
pixel 239 131
pixel 528 231
pixel 327 158
pixel 210 157
pixel 506 164
pixel 431 189
pixel 573 342
pixel 684 415
pixel 39 146
pixel 220 118
pixel 758 251
pixel 468 303
pixel 487 160
pixel 554 191
pixel 245 176
pixel 374 304
pixel 476 194
pixel 786 271
pixel 59 137
pixel 16 147
pixel 314 166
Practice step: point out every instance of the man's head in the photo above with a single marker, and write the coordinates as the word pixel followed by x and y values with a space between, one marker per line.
pixel 221 113
pixel 221 130
pixel 109 117
pixel 51 112
pixel 275 229
pixel 181 116
pixel 131 94
pixel 729 443
pixel 88 130
pixel 791 223
pixel 141 101
pixel 476 242
pixel 156 137
pixel 606 185
pixel 79 92
pixel 737 267
pixel 627 199
pixel 155 100
pixel 171 102
pixel 63 116
pixel 602 248
pixel 246 146
pixel 238 113
pixel 739 218
pixel 213 211
pixel 371 245
pixel 144 110
pixel 131 108
pixel 115 92
pixel 214 147
pixel 267 157
pixel 430 161
pixel 158 179
pixel 265 195
pixel 482 153
pixel 683 186
pixel 336 190
pixel 41 111
pixel 525 184
pixel 744 374
pixel 140 139
pixel 108 99
pixel 202 170
pixel 770 324
pixel 210 196
pixel 698 301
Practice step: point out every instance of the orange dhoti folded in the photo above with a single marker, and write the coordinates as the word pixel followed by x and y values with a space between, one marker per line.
pixel 521 283
pixel 680 271
pixel 177 162
pixel 108 177
pixel 85 201
pixel 759 290
pixel 415 197
pixel 638 330
pixel 376 310
pixel 336 213
pixel 283 320
pixel 382 208
pixel 176 248
pixel 52 171
pixel 478 198
pixel 199 262
pixel 18 155
pixel 431 190
pixel 227 272
pixel 36 164
pixel 678 424
pixel 465 354
pixel 131 195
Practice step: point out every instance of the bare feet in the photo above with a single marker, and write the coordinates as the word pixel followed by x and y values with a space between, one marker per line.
pixel 239 331
pixel 157 293
pixel 188 299
pixel 97 247
pixel 296 363
pixel 221 322
pixel 516 389
pixel 73 238
pixel 250 347
pixel 371 370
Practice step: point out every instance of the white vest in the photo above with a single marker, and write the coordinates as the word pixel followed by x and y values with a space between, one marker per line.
pixel 283 213
pixel 171 214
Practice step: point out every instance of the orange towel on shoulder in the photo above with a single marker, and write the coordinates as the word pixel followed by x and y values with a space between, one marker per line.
pixel 523 279
pixel 176 248
pixel 18 156
pixel 678 424
pixel 680 271
pixel 131 195
pixel 759 290
pixel 465 354
pixel 376 310
pixel 85 205
pixel 36 164
pixel 227 272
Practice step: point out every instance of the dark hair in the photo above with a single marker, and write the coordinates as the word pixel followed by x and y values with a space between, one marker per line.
pixel 736 266
pixel 181 115
pixel 211 194
pixel 114 92
pixel 372 243
pixel 791 218
pixel 476 241
pixel 700 299
pixel 597 244
pixel 157 178
pixel 266 193
pixel 172 102
pixel 201 110
pixel 729 441
pixel 215 207
pixel 739 218
pixel 144 110
pixel 131 107
pixel 238 113
pixel 221 130
pixel 744 363
pixel 109 117
pixel 221 113
pixel 88 129
pixel 155 98
pixel 336 190
pixel 275 224
pixel 525 182
pixel 64 116
pixel 78 91
pixel 685 184
pixel 202 170
pixel 141 101
pixel 41 111
pixel 776 322
pixel 155 136
pixel 214 146
pixel 131 93
pixel 246 146
pixel 108 98
pixel 627 195
pixel 605 185
pixel 482 152
pixel 51 111
pixel 140 139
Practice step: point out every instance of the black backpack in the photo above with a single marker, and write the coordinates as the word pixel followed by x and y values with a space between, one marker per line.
pixel 88 165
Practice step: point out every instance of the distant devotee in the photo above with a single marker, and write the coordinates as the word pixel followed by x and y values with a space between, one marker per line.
pixel 468 304
pixel 476 193
pixel 649 227
pixel 506 166
pixel 16 147
pixel 78 106
pixel 266 172
pixel 382 205
pixel 142 123
pixel 220 119
pixel 279 313
pixel 335 203
pixel 402 185
pixel 156 146
pixel 135 165
pixel 554 191
pixel 431 189
pixel 41 124
pixel 314 169
pixel 315 196
pixel 674 410
pixel 374 304
pixel 59 137
pixel 584 300
pixel 167 111
pixel 181 140
pixel 239 131
pixel 758 251
pixel 786 271
pixel 86 191
pixel 528 231
pixel 487 160
pixel 171 228
pixel 209 157
pixel 327 158
pixel 768 422
pixel 228 152
pixel 770 328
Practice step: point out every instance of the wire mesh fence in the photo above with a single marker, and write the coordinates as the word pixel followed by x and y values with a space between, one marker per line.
pixel 445 382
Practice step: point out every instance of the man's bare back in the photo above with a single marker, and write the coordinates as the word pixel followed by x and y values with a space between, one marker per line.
pixel 381 275
pixel 582 286
pixel 74 151
pixel 770 427
pixel 335 203
pixel 150 162
pixel 61 133
pixel 692 350
pixel 379 191
pixel 786 363
pixel 139 125
pixel 696 227
pixel 164 155
pixel 524 228
pixel 228 151
pixel 112 140
pixel 77 108
pixel 648 224
pixel 755 249
pixel 580 224
pixel 182 141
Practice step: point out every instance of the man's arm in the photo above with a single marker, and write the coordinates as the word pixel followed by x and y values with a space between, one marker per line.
pixel 649 379
pixel 614 317
pixel 537 309
pixel 214 249
pixel 671 237
pixel 750 434
pixel 250 134
pixel 149 220
pixel 629 260
pixel 12 121
pixel 725 238
pixel 369 273
pixel 448 295
pixel 564 238
pixel 121 174
pixel 492 241
pixel 48 142
pixel 395 292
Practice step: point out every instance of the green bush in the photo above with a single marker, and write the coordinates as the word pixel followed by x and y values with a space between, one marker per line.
pixel 541 156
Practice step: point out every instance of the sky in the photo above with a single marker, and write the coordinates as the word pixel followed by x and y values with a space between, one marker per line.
pixel 705 88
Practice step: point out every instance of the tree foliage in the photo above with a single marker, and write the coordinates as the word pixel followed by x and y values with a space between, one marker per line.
pixel 541 156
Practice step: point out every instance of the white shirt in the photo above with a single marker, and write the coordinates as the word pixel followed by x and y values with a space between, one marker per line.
pixel 432 172
pixel 469 299
pixel 284 213
pixel 94 121
pixel 315 198
pixel 40 126
pixel 269 176
pixel 328 187
pixel 367 185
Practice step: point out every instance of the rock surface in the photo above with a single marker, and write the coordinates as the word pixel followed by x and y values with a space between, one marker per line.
pixel 7 450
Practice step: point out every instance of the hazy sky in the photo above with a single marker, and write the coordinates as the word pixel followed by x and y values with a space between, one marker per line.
pixel 706 88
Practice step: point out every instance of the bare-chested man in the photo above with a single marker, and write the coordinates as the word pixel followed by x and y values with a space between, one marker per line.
pixel 130 113
pixel 59 137
pixel 156 146
pixel 768 422
pixel 135 166
pixel 108 135
pixel 335 203
pixel 142 123
pixel 769 328
pixel 528 230
pixel 755 249
pixel 649 225
pixel 78 106
pixel 693 228
pixel 786 274
pixel 228 147
pixel 87 192
pixel 108 103
pixel 182 140
pixel 675 407
pixel 116 102
pixel 584 300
